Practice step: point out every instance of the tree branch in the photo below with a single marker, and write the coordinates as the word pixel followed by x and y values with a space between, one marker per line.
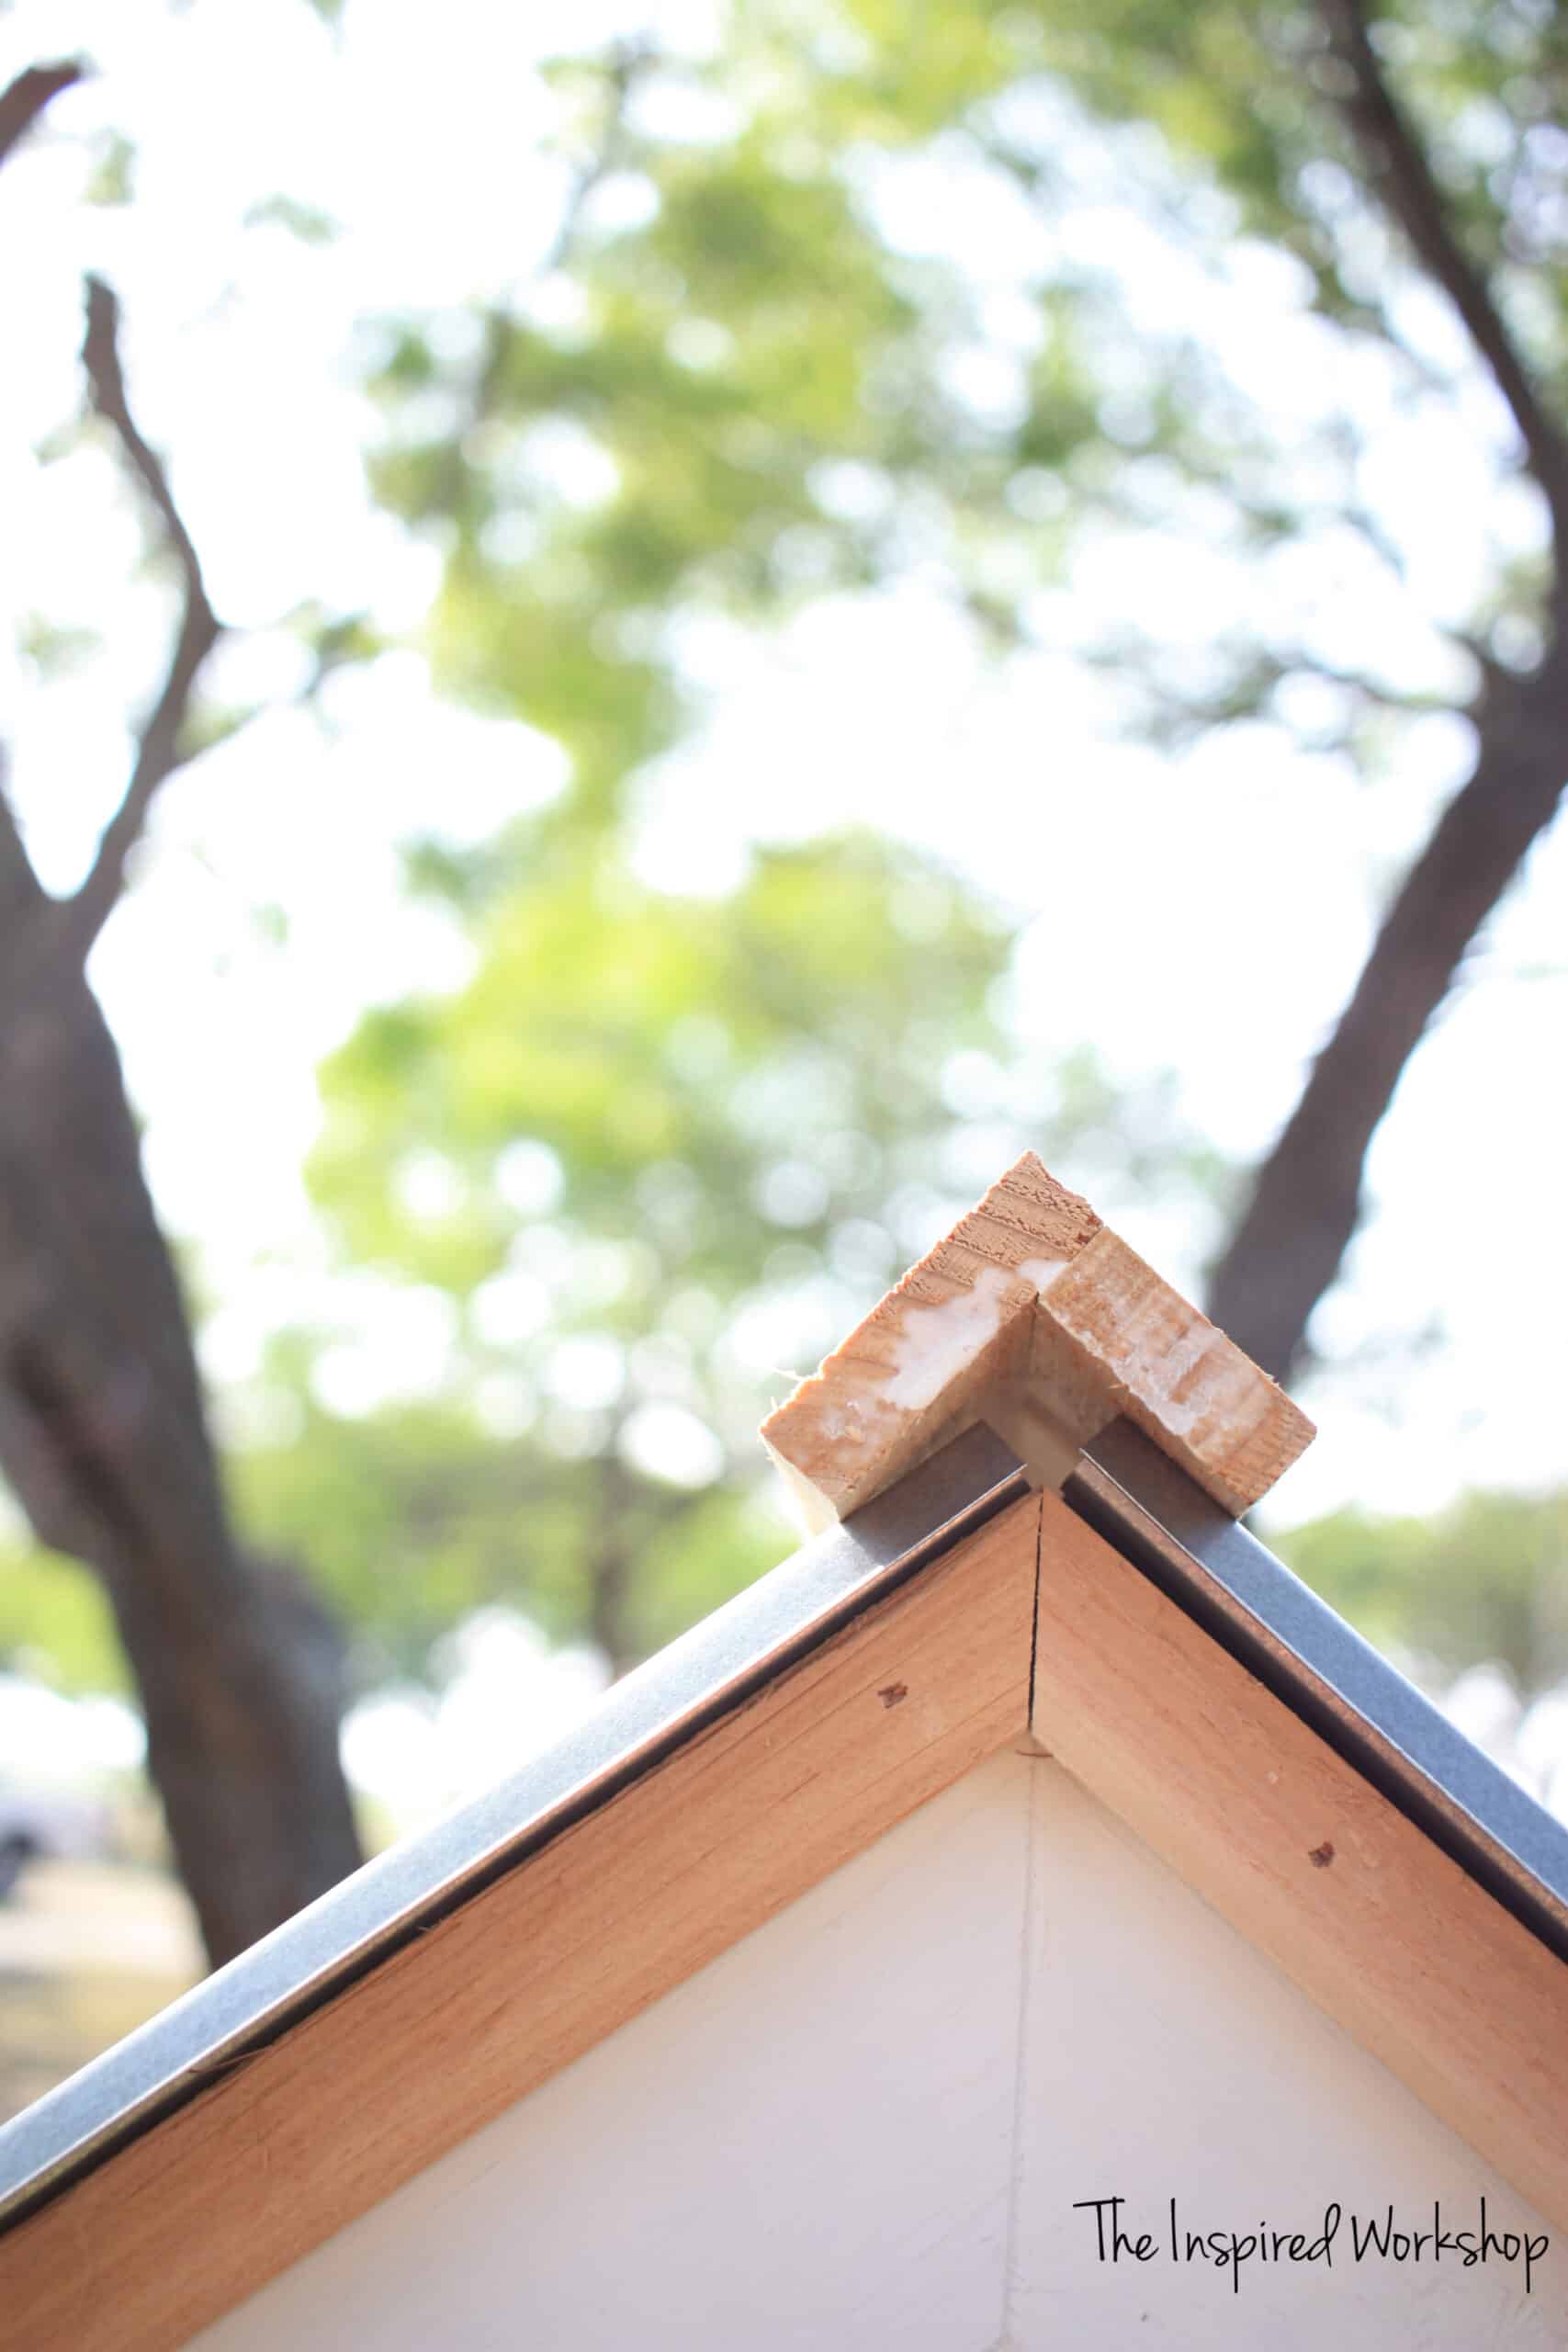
pixel 21 892
pixel 23 100
pixel 1307 1200
pixel 630 62
pixel 158 748
pixel 1398 167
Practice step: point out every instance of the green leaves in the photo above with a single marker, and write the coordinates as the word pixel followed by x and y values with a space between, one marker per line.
pixel 660 1152
pixel 308 222
pixel 56 1623
pixel 843 305
pixel 113 174
pixel 1486 1579
pixel 618 1026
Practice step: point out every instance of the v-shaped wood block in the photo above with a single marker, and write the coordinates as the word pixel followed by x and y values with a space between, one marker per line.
pixel 1035 1317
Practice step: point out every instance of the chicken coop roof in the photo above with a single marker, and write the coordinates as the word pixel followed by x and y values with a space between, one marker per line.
pixel 1026 1468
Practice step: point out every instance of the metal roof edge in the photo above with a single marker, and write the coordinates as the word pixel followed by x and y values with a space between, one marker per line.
pixel 717 1665
pixel 1302 1650
pixel 1124 1486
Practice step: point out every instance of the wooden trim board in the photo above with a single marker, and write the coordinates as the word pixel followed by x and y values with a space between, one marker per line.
pixel 1032 1315
pixel 299 2140
pixel 1288 1842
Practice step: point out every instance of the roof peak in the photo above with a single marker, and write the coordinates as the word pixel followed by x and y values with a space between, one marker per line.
pixel 1034 1316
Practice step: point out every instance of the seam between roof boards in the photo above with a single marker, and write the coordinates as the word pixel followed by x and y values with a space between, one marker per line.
pixel 1031 1935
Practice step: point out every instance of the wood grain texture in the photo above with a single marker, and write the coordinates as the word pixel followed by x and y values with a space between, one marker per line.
pixel 866 2125
pixel 808 2144
pixel 1166 2056
pixel 1111 1328
pixel 920 1367
pixel 302 2138
pixel 1295 1848
pixel 1035 1317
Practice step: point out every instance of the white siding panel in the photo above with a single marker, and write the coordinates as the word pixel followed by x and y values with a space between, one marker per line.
pixel 1166 2057
pixel 867 2125
pixel 807 2146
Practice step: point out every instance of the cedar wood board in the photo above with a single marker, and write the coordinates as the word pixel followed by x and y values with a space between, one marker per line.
pixel 1286 1840
pixel 1034 1316
pixel 457 2025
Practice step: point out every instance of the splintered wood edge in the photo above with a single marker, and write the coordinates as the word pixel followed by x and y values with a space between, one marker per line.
pixel 292 2144
pixel 952 1333
pixel 1287 1842
pixel 1033 1315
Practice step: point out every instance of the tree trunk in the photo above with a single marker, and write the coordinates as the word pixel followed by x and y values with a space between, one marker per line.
pixel 1307 1197
pixel 1307 1200
pixel 104 1439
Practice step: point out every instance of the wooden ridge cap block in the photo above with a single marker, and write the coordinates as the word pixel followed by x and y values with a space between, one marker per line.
pixel 1034 1316
pixel 1112 1324
pixel 920 1367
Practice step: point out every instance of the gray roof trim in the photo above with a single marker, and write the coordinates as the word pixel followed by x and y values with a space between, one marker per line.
pixel 1252 1604
pixel 1124 1486
pixel 647 1715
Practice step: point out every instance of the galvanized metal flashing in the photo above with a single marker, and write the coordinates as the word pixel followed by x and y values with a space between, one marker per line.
pixel 1123 1487
pixel 1300 1650
pixel 644 1718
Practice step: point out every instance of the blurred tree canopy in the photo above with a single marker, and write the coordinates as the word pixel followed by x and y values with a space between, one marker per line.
pixel 764 360
pixel 758 363
pixel 1486 1580
pixel 659 1154
pixel 833 296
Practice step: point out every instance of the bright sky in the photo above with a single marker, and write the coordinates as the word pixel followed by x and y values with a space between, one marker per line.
pixel 1220 908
